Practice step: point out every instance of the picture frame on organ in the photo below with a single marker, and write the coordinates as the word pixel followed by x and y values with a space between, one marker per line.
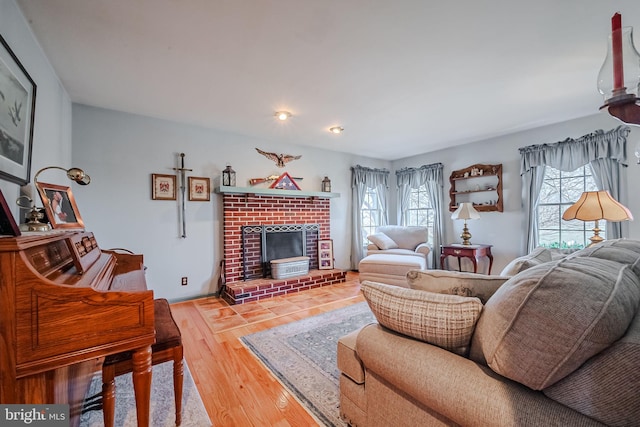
pixel 325 254
pixel 163 187
pixel 199 189
pixel 60 205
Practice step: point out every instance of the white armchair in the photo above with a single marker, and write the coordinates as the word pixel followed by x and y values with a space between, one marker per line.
pixel 399 240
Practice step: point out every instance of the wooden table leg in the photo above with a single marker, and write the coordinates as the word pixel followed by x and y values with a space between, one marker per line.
pixel 142 383
pixel 475 264
pixel 490 262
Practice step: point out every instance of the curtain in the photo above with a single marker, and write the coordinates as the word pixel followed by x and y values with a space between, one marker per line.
pixel 604 151
pixel 431 177
pixel 363 178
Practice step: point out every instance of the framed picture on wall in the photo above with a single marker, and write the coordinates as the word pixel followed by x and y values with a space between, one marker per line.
pixel 59 205
pixel 199 189
pixel 325 254
pixel 17 107
pixel 163 187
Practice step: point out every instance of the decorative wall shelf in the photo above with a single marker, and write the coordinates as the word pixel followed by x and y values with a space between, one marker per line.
pixel 274 192
pixel 478 184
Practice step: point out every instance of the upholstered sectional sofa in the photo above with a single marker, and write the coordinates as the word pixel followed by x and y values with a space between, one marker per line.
pixel 557 344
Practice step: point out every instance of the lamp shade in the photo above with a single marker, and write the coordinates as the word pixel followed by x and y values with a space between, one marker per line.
pixel 465 211
pixel 597 205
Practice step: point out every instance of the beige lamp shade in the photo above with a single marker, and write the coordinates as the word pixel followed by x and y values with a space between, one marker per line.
pixel 465 211
pixel 597 205
pixel 594 206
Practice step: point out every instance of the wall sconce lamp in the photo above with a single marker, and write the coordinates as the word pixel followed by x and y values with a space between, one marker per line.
pixel 619 77
pixel 595 206
pixel 465 211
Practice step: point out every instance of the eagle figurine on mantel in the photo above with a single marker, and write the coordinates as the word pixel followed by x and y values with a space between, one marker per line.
pixel 280 159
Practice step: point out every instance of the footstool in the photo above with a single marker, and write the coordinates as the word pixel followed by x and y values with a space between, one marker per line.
pixel 391 269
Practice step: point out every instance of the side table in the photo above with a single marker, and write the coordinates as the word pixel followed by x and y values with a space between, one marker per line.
pixel 473 252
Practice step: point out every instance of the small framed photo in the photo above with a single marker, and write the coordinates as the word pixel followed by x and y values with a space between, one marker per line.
pixel 199 189
pixel 163 187
pixel 8 226
pixel 325 254
pixel 60 206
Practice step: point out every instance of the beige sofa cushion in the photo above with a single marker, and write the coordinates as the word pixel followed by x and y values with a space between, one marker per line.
pixel 544 323
pixel 539 256
pixel 613 380
pixel 382 241
pixel 443 320
pixel 455 283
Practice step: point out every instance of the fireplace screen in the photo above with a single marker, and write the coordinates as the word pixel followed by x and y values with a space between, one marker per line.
pixel 263 243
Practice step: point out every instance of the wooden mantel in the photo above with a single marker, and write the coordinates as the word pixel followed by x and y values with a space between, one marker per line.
pixel 274 192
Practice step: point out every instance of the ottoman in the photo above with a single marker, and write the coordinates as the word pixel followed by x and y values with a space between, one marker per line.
pixel 391 269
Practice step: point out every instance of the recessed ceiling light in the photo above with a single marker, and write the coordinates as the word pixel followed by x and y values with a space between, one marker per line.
pixel 282 115
pixel 336 129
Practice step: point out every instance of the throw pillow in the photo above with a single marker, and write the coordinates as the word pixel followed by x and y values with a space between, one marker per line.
pixel 455 283
pixel 539 256
pixel 382 241
pixel 542 324
pixel 443 320
pixel 611 379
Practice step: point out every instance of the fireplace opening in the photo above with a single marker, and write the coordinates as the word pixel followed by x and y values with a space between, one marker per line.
pixel 265 243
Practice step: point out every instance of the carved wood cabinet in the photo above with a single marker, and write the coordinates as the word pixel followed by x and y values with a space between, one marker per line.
pixel 478 184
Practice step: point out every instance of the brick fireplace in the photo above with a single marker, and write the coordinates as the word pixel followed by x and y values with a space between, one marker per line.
pixel 248 209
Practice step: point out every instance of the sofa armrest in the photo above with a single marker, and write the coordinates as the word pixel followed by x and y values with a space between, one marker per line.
pixel 423 248
pixel 461 390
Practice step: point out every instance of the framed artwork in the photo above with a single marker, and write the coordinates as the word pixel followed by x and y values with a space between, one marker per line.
pixel 163 187
pixel 8 226
pixel 17 104
pixel 325 254
pixel 199 189
pixel 59 205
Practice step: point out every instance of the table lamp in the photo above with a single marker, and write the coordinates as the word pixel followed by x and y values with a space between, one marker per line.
pixel 594 206
pixel 465 211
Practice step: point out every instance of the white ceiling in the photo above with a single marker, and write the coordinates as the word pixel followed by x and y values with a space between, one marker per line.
pixel 402 77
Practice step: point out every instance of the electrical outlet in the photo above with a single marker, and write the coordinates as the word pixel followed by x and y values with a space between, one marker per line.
pixel 184 281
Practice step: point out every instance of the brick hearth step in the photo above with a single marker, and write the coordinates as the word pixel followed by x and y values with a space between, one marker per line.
pixel 254 290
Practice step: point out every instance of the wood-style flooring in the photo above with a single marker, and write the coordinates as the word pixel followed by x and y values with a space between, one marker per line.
pixel 237 390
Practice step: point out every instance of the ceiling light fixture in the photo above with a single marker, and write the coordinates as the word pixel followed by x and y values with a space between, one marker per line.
pixel 336 129
pixel 619 77
pixel 282 115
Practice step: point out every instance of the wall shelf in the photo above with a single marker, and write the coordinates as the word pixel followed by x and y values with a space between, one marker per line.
pixel 274 192
pixel 478 184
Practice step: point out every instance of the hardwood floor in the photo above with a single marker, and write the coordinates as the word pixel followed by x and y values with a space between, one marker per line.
pixel 237 390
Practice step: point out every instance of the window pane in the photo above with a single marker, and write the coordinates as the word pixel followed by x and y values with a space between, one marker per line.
pixel 559 191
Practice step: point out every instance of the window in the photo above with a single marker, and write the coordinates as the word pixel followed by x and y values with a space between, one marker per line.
pixel 371 214
pixel 419 211
pixel 559 191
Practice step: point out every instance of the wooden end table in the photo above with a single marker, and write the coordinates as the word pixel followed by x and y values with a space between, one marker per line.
pixel 473 252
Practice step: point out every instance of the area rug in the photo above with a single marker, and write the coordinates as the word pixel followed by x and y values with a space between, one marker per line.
pixel 302 356
pixel 162 405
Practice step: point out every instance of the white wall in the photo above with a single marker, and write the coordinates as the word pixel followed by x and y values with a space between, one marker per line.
pixel 120 151
pixel 52 122
pixel 505 230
